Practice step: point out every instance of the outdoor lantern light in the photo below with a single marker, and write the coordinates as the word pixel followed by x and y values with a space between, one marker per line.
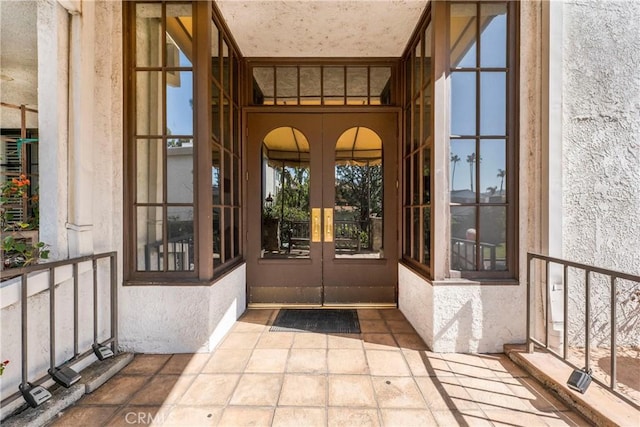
pixel 579 380
pixel 268 201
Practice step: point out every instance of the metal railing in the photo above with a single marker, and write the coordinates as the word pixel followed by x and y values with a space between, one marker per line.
pixel 78 354
pixel 588 270
pixel 464 255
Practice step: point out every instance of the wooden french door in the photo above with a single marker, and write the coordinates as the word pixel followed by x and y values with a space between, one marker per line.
pixel 322 208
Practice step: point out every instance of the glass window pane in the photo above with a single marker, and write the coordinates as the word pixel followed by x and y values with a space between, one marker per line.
pixel 493 166
pixel 215 112
pixel 180 239
pixel 180 103
pixel 263 86
pixel 463 103
pixel 426 221
pixel 426 175
pixel 417 70
pixel 226 179
pixel 416 177
pixel 493 103
pixel 215 175
pixel 417 121
pixel 236 232
pixel 179 35
pixel 215 53
pixel 408 126
pixel 380 86
pixel 149 171
pixel 407 181
pixel 149 103
pixel 236 181
pixel 493 39
pixel 228 234
pixel 426 113
pixel 426 61
pixel 407 232
pixel 287 85
pixel 357 89
pixel 236 130
pixel 493 238
pixel 416 238
pixel 226 123
pixel 358 216
pixel 333 85
pixel 148 32
pixel 463 171
pixel 225 67
pixel 149 250
pixel 217 237
pixel 463 238
pixel 179 170
pixel 462 35
pixel 310 91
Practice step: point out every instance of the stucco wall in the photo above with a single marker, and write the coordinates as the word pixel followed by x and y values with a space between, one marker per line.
pixel 180 319
pixel 601 151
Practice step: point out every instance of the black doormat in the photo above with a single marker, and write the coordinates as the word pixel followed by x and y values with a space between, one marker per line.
pixel 322 321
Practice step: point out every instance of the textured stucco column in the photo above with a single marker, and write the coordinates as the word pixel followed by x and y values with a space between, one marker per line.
pixel 53 47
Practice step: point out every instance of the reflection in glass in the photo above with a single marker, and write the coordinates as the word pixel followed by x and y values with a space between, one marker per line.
pixel 149 171
pixel 380 86
pixel 463 170
pixel 357 89
pixel 333 85
pixel 417 71
pixel 263 86
pixel 408 180
pixel 493 39
pixel 215 112
pixel 217 241
pixel 426 175
pixel 463 103
pixel 179 35
pixel 179 103
pixel 426 113
pixel 416 234
pixel 228 234
pixel 149 103
pixel 180 239
pixel 426 221
pixel 493 103
pixel 226 64
pixel 310 91
pixel 462 36
pixel 416 123
pixel 463 238
pixel 226 178
pixel 426 60
pixel 215 53
pixel 358 214
pixel 215 175
pixel 493 166
pixel 287 78
pixel 179 170
pixel 149 238
pixel 226 124
pixel 148 42
pixel 285 194
pixel 236 232
pixel 407 231
pixel 416 177
pixel 236 181
pixel 493 238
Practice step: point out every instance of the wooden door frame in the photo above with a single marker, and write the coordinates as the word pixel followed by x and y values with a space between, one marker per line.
pixel 249 215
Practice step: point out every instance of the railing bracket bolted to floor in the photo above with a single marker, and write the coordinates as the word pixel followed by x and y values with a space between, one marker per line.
pixel 64 376
pixel 102 352
pixel 34 395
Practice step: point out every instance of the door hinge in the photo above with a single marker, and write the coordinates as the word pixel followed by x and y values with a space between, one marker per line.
pixel 397 184
pixel 246 131
pixel 247 178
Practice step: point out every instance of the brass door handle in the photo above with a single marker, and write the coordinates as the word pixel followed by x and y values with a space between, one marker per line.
pixel 328 224
pixel 316 233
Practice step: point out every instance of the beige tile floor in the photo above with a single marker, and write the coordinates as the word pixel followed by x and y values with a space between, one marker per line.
pixel 384 376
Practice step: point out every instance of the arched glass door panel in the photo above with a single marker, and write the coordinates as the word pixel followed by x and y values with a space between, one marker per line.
pixel 285 194
pixel 358 210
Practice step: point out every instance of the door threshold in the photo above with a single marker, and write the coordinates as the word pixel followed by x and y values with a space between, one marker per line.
pixel 320 307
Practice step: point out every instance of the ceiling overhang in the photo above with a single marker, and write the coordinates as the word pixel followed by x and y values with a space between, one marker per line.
pixel 322 28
